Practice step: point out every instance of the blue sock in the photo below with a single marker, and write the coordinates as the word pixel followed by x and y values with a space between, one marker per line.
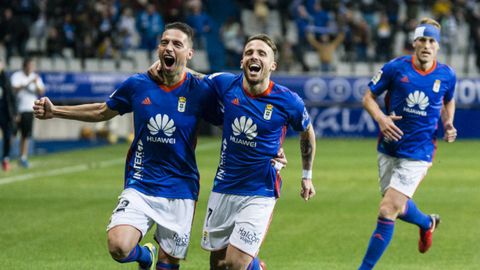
pixel 138 254
pixel 167 266
pixel 413 215
pixel 254 265
pixel 378 243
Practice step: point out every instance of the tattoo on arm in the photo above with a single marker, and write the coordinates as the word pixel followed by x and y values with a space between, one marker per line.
pixel 306 148
pixel 196 74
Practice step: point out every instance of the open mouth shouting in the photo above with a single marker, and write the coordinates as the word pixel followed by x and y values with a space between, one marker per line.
pixel 254 69
pixel 169 61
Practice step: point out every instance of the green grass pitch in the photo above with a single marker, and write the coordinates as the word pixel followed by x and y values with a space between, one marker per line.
pixel 54 215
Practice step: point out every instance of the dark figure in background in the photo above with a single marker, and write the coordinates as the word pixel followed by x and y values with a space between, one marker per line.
pixel 473 19
pixel 26 12
pixel 7 116
pixel 150 25
pixel 383 38
pixel 7 36
pixel 409 32
pixel 302 20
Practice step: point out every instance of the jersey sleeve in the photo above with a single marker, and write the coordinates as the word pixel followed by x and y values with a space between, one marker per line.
pixel 298 118
pixel 449 94
pixel 121 99
pixel 219 82
pixel 382 80
pixel 212 111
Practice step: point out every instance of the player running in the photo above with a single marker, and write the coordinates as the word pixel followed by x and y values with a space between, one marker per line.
pixel 419 91
pixel 161 175
pixel 257 112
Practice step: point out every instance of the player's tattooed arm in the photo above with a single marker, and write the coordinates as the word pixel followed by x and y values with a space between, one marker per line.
pixel 307 149
pixel 196 73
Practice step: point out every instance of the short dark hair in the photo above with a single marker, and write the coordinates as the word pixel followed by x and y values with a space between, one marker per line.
pixel 265 38
pixel 26 61
pixel 185 28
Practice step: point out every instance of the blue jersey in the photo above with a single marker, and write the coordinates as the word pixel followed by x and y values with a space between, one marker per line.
pixel 161 160
pixel 253 130
pixel 418 97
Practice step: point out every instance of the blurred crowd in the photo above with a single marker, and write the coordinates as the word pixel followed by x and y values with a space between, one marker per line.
pixel 358 31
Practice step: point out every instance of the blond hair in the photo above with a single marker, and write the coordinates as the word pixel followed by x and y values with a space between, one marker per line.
pixel 431 22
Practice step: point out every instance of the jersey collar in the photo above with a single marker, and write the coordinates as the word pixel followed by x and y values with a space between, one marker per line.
pixel 170 88
pixel 264 93
pixel 421 72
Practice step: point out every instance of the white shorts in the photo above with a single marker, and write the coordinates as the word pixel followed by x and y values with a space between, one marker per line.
pixel 241 221
pixel 401 174
pixel 173 218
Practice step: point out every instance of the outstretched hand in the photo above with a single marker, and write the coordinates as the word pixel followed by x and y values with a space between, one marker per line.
pixel 308 190
pixel 389 129
pixel 43 108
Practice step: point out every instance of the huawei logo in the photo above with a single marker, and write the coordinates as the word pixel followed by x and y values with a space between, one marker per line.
pixel 417 98
pixel 246 126
pixel 161 122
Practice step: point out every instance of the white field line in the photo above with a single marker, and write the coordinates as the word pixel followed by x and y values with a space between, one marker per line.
pixel 80 167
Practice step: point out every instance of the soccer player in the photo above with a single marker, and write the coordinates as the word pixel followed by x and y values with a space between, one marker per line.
pixel 161 175
pixel 27 85
pixel 419 91
pixel 257 112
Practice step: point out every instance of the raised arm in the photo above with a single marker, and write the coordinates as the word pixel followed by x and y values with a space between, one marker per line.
pixel 447 114
pixel 339 39
pixel 307 149
pixel 93 112
pixel 313 41
pixel 386 124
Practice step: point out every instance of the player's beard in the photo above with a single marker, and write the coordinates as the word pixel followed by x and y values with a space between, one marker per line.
pixel 258 78
pixel 253 81
pixel 173 73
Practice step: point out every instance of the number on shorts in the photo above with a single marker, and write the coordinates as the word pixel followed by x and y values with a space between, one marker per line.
pixel 210 211
pixel 122 204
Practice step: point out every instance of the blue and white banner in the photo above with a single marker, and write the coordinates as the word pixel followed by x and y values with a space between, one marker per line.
pixel 64 87
pixel 350 90
pixel 334 103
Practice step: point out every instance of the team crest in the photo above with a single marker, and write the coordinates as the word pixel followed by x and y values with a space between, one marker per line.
pixel 267 114
pixel 436 86
pixel 182 103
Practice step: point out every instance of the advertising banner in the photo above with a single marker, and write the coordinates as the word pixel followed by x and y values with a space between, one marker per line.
pixel 334 103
